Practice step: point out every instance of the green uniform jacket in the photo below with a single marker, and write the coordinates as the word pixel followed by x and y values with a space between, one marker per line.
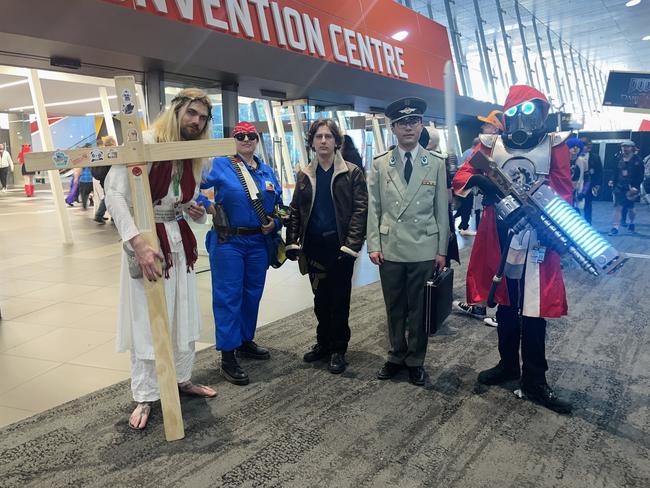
pixel 408 223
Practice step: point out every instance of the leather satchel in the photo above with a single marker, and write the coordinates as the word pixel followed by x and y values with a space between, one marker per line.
pixel 438 294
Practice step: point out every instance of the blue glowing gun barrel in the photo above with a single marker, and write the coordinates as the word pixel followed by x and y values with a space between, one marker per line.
pixel 583 242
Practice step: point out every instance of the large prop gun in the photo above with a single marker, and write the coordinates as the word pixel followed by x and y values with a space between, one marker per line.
pixel 536 205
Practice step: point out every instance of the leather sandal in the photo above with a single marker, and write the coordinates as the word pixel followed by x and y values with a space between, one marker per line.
pixel 140 416
pixel 189 388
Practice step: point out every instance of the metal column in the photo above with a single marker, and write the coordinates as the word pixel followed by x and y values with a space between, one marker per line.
pixel 592 92
pixel 529 73
pixel 599 88
pixel 486 54
pixel 511 63
pixel 229 107
pixel 556 76
pixel 502 75
pixel 47 145
pixel 572 95
pixel 575 75
pixel 461 63
pixel 541 56
pixel 484 73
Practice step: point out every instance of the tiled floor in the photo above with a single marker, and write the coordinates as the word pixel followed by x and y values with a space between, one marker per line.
pixel 59 305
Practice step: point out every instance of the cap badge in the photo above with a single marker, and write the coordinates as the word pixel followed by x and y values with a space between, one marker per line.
pixel 408 110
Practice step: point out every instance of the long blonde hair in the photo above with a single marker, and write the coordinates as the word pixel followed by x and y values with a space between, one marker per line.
pixel 166 127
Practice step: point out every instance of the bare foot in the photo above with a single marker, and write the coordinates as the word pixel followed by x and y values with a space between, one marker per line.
pixel 140 416
pixel 190 388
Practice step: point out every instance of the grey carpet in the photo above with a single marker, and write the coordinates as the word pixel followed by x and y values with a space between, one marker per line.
pixel 296 425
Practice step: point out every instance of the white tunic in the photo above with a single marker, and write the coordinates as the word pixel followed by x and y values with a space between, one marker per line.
pixel 133 330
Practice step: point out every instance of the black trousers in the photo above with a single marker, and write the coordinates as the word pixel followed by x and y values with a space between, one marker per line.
pixel 465 211
pixel 589 198
pixel 514 330
pixel 331 282
pixel 85 189
pixel 3 176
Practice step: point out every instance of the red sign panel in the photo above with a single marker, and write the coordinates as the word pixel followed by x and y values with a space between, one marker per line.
pixel 379 36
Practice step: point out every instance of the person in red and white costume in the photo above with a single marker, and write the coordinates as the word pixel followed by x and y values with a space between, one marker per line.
pixel 532 291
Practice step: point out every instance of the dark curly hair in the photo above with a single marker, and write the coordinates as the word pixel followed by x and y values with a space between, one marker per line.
pixel 331 125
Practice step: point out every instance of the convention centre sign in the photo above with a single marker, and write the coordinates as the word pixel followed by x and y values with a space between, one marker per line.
pixel 379 36
pixel 627 89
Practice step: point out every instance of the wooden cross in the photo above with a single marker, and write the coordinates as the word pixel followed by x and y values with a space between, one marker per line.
pixel 135 155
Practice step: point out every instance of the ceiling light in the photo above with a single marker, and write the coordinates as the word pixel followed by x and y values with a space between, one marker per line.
pixel 400 36
pixel 58 104
pixel 632 3
pixel 646 38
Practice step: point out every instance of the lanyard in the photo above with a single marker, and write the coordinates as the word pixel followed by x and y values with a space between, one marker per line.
pixel 177 174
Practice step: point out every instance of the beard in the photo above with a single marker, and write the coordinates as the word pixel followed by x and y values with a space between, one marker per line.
pixel 190 133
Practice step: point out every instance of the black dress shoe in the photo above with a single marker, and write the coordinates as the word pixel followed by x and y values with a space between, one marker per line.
pixel 416 375
pixel 337 363
pixel 317 352
pixel 388 370
pixel 231 369
pixel 497 375
pixel 251 350
pixel 546 397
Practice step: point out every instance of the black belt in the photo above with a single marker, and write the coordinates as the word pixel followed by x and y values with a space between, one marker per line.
pixel 237 231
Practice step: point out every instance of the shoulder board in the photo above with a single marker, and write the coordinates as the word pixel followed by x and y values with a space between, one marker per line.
pixel 438 154
pixel 488 139
pixel 380 155
pixel 558 138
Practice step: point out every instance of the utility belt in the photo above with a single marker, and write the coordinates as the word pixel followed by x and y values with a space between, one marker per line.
pixel 237 231
pixel 167 214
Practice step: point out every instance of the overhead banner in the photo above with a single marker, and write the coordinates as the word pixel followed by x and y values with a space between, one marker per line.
pixel 379 36
pixel 627 89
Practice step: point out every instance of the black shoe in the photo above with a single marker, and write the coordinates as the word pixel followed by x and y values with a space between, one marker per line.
pixel 631 228
pixel 231 369
pixel 251 350
pixel 388 370
pixel 416 375
pixel 337 363
pixel 317 352
pixel 497 375
pixel 546 397
pixel 100 221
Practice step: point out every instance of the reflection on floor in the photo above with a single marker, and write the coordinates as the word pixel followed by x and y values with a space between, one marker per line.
pixel 59 304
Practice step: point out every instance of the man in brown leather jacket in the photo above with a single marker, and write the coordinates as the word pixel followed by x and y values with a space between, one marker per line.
pixel 328 224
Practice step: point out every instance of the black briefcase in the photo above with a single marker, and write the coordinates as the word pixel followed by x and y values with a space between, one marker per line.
pixel 438 292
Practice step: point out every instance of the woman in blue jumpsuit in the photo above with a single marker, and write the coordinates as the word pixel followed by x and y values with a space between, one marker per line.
pixel 239 255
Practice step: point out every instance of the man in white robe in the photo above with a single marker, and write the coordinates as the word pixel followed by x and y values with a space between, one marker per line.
pixel 174 186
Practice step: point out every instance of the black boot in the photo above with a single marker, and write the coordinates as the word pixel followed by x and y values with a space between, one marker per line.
pixel 251 350
pixel 231 369
pixel 497 375
pixel 337 363
pixel 546 397
pixel 317 352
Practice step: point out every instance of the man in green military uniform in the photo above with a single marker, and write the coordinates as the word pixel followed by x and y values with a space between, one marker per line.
pixel 408 230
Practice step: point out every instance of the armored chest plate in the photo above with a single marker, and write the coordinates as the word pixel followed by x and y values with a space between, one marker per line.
pixel 523 166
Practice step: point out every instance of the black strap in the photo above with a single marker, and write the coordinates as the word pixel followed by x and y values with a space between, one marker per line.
pixel 258 206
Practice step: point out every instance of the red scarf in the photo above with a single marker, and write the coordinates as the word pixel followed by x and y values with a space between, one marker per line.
pixel 160 178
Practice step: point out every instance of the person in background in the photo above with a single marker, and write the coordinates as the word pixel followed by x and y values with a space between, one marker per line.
pixel 626 183
pixel 350 153
pixel 238 247
pixel 28 176
pixel 85 186
pixel 579 166
pixel 99 173
pixel 6 165
pixel 328 225
pixel 430 140
pixel 593 177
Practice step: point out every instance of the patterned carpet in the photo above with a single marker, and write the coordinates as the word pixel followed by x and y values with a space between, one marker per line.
pixel 296 425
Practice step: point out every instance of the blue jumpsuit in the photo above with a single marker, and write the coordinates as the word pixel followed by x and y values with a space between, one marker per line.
pixel 239 264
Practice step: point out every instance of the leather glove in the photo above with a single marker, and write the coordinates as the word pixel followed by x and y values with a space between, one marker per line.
pixel 292 254
pixel 485 184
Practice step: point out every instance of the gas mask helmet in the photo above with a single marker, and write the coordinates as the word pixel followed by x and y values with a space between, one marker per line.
pixel 524 124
